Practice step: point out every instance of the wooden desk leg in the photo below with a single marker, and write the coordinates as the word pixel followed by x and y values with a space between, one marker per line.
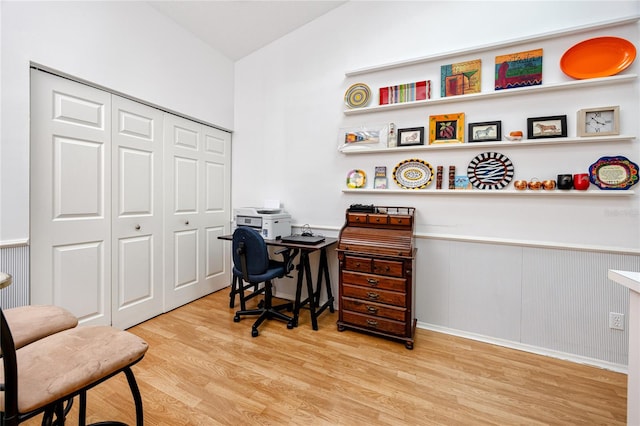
pixel 298 302
pixel 323 272
pixel 310 292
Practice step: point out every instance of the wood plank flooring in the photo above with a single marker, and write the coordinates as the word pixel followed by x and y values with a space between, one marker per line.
pixel 204 369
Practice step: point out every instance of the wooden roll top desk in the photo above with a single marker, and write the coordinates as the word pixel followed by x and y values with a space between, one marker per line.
pixel 376 257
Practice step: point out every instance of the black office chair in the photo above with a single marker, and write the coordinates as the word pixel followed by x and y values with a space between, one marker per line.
pixel 251 264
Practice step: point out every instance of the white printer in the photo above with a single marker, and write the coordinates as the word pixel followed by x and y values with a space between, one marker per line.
pixel 270 223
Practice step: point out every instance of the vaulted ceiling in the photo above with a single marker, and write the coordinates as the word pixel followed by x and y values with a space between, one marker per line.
pixel 238 28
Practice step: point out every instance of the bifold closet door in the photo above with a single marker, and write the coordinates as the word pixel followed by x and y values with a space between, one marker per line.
pixel 137 212
pixel 197 209
pixel 70 196
pixel 127 203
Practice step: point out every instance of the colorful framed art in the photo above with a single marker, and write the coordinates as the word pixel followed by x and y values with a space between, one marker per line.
pixel 446 128
pixel 519 69
pixel 460 79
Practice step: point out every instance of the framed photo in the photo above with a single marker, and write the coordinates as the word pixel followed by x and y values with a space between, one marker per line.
pixel 603 121
pixel 412 136
pixel 485 132
pixel 554 126
pixel 447 128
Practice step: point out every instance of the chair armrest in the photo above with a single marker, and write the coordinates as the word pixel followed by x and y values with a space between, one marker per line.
pixel 288 255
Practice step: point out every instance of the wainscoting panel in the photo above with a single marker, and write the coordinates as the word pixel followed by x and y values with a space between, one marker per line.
pixel 567 298
pixel 555 299
pixel 15 261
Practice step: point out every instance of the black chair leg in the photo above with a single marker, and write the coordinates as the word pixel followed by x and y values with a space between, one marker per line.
pixel 267 311
pixel 135 392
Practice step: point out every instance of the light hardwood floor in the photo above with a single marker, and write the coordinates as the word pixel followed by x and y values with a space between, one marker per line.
pixel 204 369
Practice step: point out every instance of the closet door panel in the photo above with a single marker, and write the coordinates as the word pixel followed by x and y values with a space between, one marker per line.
pixel 197 183
pixel 70 197
pixel 137 278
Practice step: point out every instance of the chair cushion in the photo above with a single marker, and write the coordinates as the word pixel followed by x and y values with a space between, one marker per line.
pixel 275 270
pixel 31 323
pixel 66 362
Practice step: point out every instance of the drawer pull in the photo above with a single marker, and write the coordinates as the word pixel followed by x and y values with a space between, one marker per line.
pixel 358 265
pixel 372 281
pixel 372 323
pixel 372 309
pixel 374 296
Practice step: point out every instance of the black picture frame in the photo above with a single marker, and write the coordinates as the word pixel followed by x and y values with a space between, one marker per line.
pixel 487 131
pixel 411 136
pixel 553 126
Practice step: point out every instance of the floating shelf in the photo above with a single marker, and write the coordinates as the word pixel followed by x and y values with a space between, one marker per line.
pixel 499 45
pixel 501 192
pixel 486 145
pixel 573 84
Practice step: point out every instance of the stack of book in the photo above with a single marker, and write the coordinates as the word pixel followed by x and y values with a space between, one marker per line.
pixel 409 92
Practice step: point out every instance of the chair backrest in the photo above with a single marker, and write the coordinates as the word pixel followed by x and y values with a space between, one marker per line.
pixel 255 249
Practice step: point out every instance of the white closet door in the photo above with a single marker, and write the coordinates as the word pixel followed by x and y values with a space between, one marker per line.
pixel 197 209
pixel 70 197
pixel 137 212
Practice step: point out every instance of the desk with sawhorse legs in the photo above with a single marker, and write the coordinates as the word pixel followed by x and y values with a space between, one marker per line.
pixel 305 278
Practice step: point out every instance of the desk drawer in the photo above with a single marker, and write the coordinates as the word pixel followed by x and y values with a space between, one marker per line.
pixel 399 220
pixel 374 281
pixel 357 218
pixel 374 309
pixel 374 323
pixel 378 219
pixel 360 264
pixel 374 295
pixel 388 267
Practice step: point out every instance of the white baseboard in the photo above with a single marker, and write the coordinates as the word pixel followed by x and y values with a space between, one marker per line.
pixel 619 368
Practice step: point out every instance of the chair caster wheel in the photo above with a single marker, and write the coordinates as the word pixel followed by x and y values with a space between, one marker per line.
pixel 261 304
pixel 290 325
pixel 236 318
pixel 254 332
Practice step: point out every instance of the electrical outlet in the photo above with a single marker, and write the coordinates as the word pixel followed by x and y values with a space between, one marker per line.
pixel 616 321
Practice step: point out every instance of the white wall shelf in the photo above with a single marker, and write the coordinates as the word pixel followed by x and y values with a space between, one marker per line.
pixel 500 45
pixel 485 145
pixel 505 192
pixel 553 87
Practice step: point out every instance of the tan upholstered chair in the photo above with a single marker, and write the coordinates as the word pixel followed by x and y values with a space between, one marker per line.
pixel 41 376
pixel 31 323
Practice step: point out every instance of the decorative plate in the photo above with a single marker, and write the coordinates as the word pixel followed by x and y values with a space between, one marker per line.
pixel 598 57
pixel 613 173
pixel 490 170
pixel 358 95
pixel 413 174
pixel 356 179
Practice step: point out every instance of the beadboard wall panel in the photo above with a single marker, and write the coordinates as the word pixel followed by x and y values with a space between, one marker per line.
pixel 554 299
pixel 15 261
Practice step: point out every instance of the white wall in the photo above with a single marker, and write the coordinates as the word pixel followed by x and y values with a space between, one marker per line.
pixel 127 47
pixel 476 255
pixel 289 103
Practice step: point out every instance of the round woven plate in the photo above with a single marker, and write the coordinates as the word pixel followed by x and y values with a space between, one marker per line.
pixel 356 179
pixel 358 95
pixel 490 170
pixel 413 174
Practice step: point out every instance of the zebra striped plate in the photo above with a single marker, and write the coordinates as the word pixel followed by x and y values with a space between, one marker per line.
pixel 490 170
